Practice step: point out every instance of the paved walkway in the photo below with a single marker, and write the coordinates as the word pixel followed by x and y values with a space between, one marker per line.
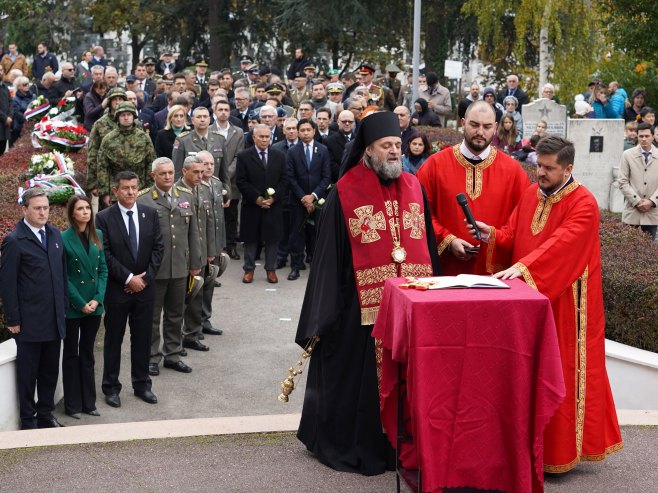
pixel 225 429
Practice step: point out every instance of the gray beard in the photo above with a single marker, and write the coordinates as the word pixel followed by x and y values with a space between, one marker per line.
pixel 386 170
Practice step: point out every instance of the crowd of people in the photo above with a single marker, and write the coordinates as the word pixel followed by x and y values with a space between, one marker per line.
pixel 184 165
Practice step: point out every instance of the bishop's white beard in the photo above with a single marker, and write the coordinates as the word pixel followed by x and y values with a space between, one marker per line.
pixel 384 169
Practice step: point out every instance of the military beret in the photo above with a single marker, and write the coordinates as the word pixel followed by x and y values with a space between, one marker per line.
pixel 131 78
pixel 282 112
pixel 252 115
pixel 265 71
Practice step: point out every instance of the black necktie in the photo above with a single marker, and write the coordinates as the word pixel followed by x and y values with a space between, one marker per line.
pixel 263 158
pixel 646 156
pixel 42 233
pixel 132 234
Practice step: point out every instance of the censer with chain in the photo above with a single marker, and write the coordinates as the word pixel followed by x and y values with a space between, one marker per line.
pixel 288 385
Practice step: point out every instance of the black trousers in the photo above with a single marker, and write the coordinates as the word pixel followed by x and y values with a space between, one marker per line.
pixel 138 313
pixel 78 364
pixel 231 221
pixel 301 234
pixel 283 250
pixel 37 367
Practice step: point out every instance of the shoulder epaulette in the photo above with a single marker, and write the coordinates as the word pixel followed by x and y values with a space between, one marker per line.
pixel 184 189
pixel 184 133
pixel 143 191
pixel 204 184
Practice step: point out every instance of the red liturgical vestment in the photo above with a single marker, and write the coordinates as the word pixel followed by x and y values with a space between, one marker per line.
pixel 554 242
pixel 493 187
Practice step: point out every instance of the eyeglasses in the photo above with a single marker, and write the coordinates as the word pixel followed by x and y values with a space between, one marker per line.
pixel 267 116
pixel 346 121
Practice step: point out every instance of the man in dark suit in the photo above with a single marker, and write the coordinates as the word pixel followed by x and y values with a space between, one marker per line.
pixel 33 286
pixel 513 89
pixel 262 181
pixel 283 250
pixel 309 175
pixel 336 141
pixel 241 111
pixel 133 251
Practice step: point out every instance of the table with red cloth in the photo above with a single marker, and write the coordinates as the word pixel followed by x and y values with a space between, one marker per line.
pixel 483 378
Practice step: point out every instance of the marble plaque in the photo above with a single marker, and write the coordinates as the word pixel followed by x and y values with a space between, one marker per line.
pixel 599 146
pixel 554 114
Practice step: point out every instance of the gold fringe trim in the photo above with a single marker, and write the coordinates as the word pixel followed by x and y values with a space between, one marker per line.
pixel 580 305
pixel 545 204
pixel 444 244
pixel 474 172
pixel 369 315
pixel 583 458
pixel 527 277
pixel 490 249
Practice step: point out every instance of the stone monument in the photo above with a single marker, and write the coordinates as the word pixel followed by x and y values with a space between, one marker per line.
pixel 555 116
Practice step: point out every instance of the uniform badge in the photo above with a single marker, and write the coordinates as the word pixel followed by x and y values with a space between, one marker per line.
pixel 184 205
pixel 176 144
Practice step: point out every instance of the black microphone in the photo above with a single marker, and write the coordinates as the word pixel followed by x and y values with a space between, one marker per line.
pixel 463 202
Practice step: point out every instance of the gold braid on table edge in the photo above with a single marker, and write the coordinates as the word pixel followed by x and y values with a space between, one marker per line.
pixel 288 385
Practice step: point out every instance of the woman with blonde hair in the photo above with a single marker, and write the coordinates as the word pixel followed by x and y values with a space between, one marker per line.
pixel 176 126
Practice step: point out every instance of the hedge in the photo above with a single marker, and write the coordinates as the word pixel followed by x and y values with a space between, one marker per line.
pixel 629 258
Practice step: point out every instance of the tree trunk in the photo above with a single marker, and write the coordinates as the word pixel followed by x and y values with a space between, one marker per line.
pixel 136 48
pixel 219 48
pixel 544 57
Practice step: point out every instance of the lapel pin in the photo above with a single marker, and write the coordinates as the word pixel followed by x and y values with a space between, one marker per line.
pixel 56 245
pixel 143 215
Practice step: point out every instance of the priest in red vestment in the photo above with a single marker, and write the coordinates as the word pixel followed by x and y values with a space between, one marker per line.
pixel 552 241
pixel 492 181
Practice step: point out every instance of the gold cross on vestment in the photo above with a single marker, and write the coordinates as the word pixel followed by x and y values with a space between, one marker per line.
pixel 367 224
pixel 414 220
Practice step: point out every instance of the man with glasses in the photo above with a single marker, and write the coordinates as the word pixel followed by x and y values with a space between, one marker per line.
pixel 336 141
pixel 241 110
pixel 267 116
pixel 513 89
pixel 66 87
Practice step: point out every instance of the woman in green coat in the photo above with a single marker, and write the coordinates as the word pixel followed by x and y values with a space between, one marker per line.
pixel 87 277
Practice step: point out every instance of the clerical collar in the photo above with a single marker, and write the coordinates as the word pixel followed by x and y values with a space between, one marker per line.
pixel 567 182
pixel 466 152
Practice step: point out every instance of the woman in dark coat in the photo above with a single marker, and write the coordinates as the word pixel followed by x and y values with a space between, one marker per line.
pixel 93 103
pixel 176 125
pixel 87 277
pixel 19 104
pixel 424 116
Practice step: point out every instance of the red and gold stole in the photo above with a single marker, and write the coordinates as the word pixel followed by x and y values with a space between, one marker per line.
pixel 386 226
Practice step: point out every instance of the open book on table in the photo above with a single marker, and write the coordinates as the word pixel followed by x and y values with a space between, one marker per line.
pixel 463 281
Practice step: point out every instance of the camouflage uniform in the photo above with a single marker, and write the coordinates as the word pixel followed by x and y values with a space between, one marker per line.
pixel 180 234
pixel 103 126
pixel 122 149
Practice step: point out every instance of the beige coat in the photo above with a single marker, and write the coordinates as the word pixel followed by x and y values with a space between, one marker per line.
pixel 636 183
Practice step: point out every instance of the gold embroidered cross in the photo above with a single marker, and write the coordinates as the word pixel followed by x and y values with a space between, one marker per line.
pixel 414 220
pixel 367 224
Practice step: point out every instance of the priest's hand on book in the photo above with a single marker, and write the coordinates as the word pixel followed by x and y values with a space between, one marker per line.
pixel 511 273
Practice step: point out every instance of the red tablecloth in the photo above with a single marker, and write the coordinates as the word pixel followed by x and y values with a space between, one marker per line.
pixel 483 376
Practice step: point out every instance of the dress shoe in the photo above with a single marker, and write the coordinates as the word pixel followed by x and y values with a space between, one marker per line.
pixel 154 369
pixel 182 352
pixel 280 264
pixel 93 412
pixel 178 366
pixel 218 284
pixel 146 396
pixel 113 400
pixel 196 345
pixel 309 260
pixel 201 337
pixel 212 331
pixel 49 423
pixel 271 277
pixel 294 274
pixel 248 277
pixel 233 253
pixel 73 415
pixel 303 266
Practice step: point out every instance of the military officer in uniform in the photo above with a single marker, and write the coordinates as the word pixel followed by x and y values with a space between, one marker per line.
pixel 201 139
pixel 299 92
pixel 217 235
pixel 193 169
pixel 380 96
pixel 182 256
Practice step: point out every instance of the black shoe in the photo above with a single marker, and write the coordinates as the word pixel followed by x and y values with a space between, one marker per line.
pixel 93 412
pixel 113 400
pixel 201 337
pixel 303 267
pixel 294 274
pixel 212 331
pixel 49 423
pixel 178 366
pixel 182 352
pixel 146 396
pixel 73 415
pixel 196 345
pixel 154 369
pixel 233 253
pixel 218 284
pixel 309 260
pixel 280 264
